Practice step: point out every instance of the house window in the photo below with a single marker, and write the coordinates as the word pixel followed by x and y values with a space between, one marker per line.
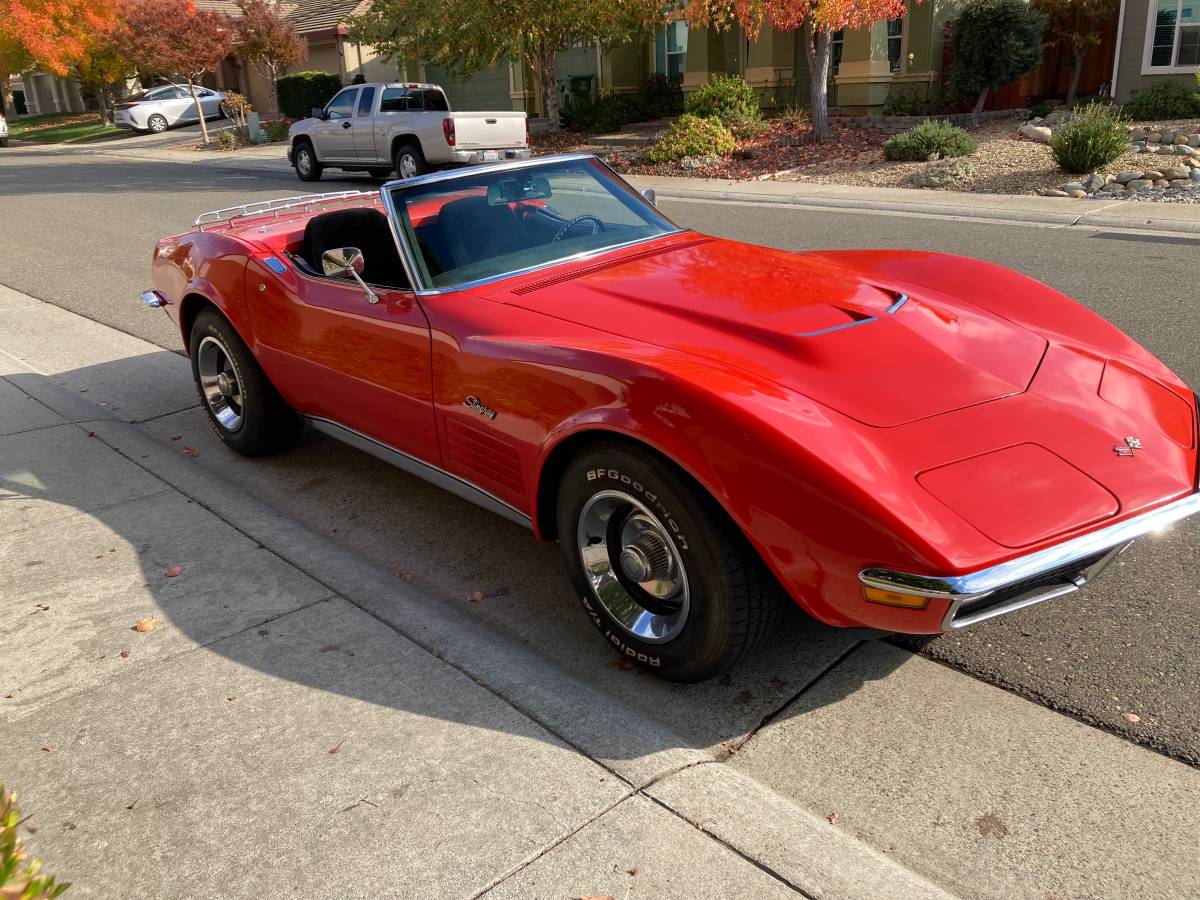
pixel 895 43
pixel 836 44
pixel 1173 36
pixel 670 50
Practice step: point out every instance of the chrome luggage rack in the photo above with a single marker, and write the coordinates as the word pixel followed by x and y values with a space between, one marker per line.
pixel 274 207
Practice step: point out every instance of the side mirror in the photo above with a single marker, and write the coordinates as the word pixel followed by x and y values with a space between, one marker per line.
pixel 318 112
pixel 651 197
pixel 347 262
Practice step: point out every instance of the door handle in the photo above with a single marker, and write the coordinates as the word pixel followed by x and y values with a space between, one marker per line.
pixel 345 124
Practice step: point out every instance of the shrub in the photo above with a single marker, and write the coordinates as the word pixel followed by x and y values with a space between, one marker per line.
pixel 299 93
pixel 1164 99
pixel 660 96
pixel 995 42
pixel 726 97
pixel 275 129
pixel 228 140
pixel 693 136
pixel 744 126
pixel 904 100
pixel 20 876
pixel 930 137
pixel 1092 137
pixel 1040 111
pixel 793 118
pixel 237 110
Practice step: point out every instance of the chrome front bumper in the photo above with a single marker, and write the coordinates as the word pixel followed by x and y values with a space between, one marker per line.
pixel 1034 578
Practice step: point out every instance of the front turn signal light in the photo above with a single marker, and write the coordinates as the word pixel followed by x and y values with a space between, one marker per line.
pixel 895 598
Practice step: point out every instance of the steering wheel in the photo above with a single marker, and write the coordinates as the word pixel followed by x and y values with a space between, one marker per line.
pixel 597 226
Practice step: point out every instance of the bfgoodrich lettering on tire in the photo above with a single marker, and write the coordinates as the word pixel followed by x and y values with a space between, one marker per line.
pixel 662 573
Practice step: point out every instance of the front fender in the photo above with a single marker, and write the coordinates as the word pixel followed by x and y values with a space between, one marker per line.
pixel 198 267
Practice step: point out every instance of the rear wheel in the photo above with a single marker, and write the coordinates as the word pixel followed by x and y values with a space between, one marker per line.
pixel 410 161
pixel 157 123
pixel 661 571
pixel 304 159
pixel 243 407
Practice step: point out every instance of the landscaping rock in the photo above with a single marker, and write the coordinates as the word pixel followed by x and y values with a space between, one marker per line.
pixel 1172 172
pixel 1183 150
pixel 1196 175
pixel 1153 137
pixel 1140 184
pixel 1181 183
pixel 1054 192
pixel 1073 186
pixel 1128 176
pixel 1181 139
pixel 1077 194
pixel 1167 136
pixel 1113 187
pixel 1096 182
pixel 1039 133
pixel 1153 175
pixel 1194 140
pixel 1161 182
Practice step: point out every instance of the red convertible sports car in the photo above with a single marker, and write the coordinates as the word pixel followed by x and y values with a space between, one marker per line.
pixel 897 440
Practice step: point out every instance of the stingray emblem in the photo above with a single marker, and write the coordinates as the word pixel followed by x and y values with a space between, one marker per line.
pixel 1127 449
pixel 476 404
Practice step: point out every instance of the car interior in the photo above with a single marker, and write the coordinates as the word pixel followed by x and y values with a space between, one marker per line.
pixel 364 228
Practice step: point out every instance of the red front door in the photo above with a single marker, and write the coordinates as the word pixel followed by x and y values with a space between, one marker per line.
pixel 335 356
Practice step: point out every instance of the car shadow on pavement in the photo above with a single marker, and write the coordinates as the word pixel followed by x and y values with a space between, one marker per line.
pixel 167 493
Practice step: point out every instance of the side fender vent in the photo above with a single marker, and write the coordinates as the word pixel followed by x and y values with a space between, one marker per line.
pixel 485 458
pixel 600 266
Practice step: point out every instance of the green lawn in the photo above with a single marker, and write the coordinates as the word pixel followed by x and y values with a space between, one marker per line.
pixel 60 128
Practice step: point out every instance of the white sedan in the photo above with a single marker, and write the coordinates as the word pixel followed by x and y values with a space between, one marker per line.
pixel 158 109
pixel 3 131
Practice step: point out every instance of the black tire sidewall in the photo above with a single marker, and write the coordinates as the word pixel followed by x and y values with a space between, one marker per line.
pixel 700 647
pixel 315 169
pixel 419 166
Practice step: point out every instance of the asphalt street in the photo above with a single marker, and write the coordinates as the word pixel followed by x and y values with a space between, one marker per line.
pixel 78 232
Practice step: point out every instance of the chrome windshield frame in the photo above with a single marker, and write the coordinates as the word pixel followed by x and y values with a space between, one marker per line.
pixel 407 252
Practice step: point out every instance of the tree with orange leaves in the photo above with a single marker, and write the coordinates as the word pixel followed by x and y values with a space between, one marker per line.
pixel 56 36
pixel 172 37
pixel 819 19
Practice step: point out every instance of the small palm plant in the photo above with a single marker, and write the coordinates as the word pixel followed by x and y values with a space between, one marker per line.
pixel 19 878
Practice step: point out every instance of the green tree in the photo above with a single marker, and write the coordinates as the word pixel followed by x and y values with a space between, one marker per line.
pixel 995 42
pixel 1078 25
pixel 467 36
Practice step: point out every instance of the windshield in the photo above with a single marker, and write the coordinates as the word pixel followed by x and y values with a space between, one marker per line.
pixel 495 222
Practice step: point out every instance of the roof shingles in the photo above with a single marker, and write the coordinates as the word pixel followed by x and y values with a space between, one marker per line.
pixel 308 15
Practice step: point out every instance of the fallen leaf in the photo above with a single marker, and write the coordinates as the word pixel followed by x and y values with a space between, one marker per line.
pixel 231 699
pixel 31 828
pixel 188 451
pixel 338 747
pixel 176 437
pixel 174 572
pixel 147 624
pixel 633 871
pixel 47 748
pixel 91 434
pixel 475 596
pixel 404 576
pixel 1131 717
pixel 133 804
pixel 832 817
pixel 124 654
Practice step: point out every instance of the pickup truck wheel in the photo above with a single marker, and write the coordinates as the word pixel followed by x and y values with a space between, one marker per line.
pixel 669 581
pixel 410 161
pixel 304 159
pixel 243 407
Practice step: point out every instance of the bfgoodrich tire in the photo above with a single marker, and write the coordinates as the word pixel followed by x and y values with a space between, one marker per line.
pixel 243 407
pixel 668 580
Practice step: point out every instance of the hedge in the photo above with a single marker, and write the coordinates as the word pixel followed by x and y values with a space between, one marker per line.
pixel 299 93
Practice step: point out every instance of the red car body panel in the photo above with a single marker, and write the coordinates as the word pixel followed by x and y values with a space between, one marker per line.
pixel 839 427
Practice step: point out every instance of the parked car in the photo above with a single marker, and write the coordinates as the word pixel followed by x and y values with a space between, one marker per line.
pixel 406 128
pixel 897 440
pixel 3 131
pixel 160 108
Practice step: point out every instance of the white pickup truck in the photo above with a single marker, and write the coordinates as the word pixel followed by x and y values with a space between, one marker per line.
pixel 406 128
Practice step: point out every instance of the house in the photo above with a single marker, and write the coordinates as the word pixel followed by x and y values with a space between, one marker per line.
pixel 38 93
pixel 1156 39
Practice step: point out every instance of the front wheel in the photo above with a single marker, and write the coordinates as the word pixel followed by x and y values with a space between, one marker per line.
pixel 308 167
pixel 669 581
pixel 243 407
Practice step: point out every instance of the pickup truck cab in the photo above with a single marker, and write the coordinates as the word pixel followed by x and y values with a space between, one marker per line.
pixel 407 128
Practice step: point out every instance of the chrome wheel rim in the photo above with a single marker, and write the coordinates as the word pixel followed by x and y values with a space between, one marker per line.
pixel 158 124
pixel 219 383
pixel 408 166
pixel 633 566
pixel 303 162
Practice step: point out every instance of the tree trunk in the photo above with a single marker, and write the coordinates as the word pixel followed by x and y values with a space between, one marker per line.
pixel 1073 90
pixel 818 48
pixel 102 102
pixel 7 106
pixel 199 109
pixel 544 65
pixel 272 111
pixel 978 108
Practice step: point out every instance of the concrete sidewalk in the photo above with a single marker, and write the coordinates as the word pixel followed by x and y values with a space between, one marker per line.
pixel 475 762
pixel 298 722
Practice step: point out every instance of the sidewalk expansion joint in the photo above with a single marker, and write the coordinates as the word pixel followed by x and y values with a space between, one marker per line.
pixel 157 416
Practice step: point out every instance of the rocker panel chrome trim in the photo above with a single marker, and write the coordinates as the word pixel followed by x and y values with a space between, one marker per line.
pixel 439 477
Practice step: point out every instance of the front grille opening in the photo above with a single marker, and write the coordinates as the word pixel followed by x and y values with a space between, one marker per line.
pixel 1065 574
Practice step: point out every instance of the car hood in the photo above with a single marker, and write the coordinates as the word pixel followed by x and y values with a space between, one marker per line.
pixel 884 354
